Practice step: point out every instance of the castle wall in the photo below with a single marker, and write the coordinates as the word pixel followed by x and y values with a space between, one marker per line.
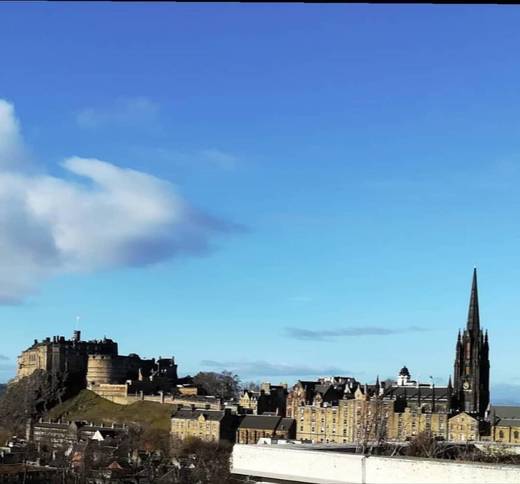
pixel 33 359
pixel 111 369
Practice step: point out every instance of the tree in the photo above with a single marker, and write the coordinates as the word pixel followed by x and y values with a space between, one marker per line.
pixel 424 445
pixel 252 386
pixel 205 462
pixel 34 395
pixel 372 424
pixel 224 385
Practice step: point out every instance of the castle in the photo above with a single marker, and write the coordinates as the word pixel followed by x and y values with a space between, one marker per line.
pixel 96 363
pixel 60 355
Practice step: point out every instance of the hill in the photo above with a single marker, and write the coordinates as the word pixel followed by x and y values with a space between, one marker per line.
pixel 93 408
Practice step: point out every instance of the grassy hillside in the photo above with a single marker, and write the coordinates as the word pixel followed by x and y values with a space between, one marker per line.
pixel 91 407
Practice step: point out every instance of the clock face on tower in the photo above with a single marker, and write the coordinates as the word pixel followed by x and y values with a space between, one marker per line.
pixel 466 385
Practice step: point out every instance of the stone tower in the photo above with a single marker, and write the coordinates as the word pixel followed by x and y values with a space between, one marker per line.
pixel 471 378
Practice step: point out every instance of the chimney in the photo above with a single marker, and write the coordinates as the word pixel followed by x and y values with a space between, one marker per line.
pixel 76 335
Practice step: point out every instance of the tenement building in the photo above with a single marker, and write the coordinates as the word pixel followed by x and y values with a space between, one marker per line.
pixel 206 425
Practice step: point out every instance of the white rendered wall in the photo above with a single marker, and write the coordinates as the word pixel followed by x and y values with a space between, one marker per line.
pixel 282 463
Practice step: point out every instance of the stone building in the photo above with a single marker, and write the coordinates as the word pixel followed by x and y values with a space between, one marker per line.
pixel 339 414
pixel 60 355
pixel 417 407
pixel 206 425
pixel 464 427
pixel 505 424
pixel 330 389
pixel 254 427
pixel 60 434
pixel 248 401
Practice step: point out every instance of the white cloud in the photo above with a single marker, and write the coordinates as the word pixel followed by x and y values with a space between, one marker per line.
pixel 12 152
pixel 125 112
pixel 100 217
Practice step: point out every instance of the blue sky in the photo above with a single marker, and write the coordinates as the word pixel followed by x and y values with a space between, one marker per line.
pixel 305 167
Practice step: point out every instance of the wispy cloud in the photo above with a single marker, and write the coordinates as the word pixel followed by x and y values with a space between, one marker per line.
pixel 328 334
pixel 4 358
pixel 100 216
pixel 212 158
pixel 260 368
pixel 220 159
pixel 123 112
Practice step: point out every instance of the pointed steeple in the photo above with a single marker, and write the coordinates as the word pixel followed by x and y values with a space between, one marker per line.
pixel 473 314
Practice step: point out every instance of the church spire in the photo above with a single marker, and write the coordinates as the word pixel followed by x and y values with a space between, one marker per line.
pixel 473 314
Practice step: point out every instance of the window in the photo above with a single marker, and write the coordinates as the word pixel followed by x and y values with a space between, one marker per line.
pixel 515 434
pixel 500 434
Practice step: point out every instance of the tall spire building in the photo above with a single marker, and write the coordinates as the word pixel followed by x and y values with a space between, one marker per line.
pixel 471 377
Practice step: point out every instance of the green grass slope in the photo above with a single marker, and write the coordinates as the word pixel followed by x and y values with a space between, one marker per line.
pixel 93 408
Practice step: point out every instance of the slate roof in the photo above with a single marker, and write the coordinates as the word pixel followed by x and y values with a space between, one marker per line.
pixel 506 411
pixel 413 393
pixel 263 422
pixel 505 415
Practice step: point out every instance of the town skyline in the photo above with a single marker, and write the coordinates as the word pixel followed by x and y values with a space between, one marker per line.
pixel 456 377
pixel 281 202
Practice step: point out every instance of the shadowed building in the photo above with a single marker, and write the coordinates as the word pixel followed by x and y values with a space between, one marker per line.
pixel 254 427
